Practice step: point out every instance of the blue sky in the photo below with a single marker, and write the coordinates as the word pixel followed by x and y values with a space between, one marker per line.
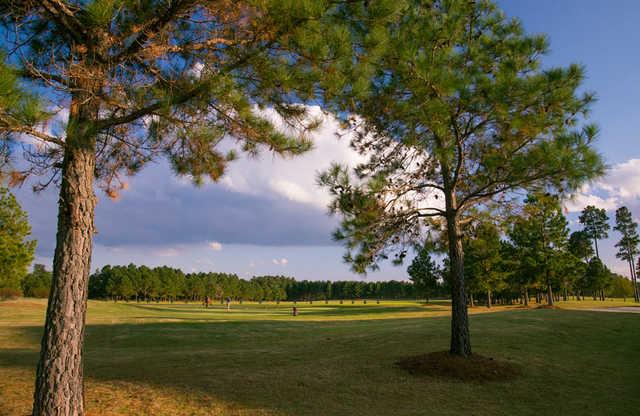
pixel 267 216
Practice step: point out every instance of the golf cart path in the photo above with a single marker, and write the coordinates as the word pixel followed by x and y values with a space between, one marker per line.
pixel 623 309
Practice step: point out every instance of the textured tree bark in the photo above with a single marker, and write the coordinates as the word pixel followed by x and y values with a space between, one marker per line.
pixel 59 375
pixel 460 339
pixel 634 280
pixel 549 295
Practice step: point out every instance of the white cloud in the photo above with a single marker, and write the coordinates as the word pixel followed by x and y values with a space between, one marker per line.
pixel 281 262
pixel 620 186
pixel 581 200
pixel 294 178
pixel 215 246
pixel 623 180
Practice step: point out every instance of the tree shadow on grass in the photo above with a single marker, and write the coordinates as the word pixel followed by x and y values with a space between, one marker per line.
pixel 317 309
pixel 316 367
pixel 282 367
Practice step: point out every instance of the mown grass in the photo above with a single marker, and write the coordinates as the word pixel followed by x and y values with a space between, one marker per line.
pixel 177 359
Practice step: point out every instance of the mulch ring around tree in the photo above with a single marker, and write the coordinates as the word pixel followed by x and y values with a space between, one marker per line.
pixel 474 368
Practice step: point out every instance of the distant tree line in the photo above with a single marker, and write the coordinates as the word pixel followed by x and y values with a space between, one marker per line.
pixel 531 254
pixel 142 283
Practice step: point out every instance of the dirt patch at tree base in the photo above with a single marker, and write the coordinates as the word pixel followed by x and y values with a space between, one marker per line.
pixel 474 368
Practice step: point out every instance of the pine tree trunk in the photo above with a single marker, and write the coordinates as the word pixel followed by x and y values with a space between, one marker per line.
pixel 634 280
pixel 59 376
pixel 526 297
pixel 549 295
pixel 59 384
pixel 460 339
pixel 488 299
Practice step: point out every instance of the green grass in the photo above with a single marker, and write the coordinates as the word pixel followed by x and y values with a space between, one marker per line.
pixel 177 359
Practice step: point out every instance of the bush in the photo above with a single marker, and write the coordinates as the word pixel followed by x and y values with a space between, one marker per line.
pixel 9 293
pixel 37 283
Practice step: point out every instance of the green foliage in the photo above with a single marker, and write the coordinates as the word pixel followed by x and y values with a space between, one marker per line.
pixel 425 274
pixel 37 283
pixel 166 283
pixel 595 223
pixel 598 277
pixel 16 251
pixel 176 78
pixel 18 108
pixel 629 244
pixel 461 113
pixel 539 235
pixel 620 287
pixel 580 245
pixel 484 264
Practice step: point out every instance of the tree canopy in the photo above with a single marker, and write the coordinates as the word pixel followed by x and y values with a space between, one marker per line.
pixel 425 274
pixel 629 244
pixel 142 80
pixel 461 113
pixel 16 249
pixel 595 223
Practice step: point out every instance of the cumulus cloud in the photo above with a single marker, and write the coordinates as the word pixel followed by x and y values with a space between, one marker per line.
pixel 280 262
pixel 623 180
pixel 266 200
pixel 215 246
pixel 581 200
pixel 294 178
pixel 620 186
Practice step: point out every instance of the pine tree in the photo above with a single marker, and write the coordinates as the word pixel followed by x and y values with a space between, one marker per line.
pixel 629 244
pixel 37 284
pixel 149 79
pixel 540 232
pixel 483 259
pixel 459 115
pixel 580 245
pixel 425 273
pixel 16 250
pixel 595 222
pixel 598 277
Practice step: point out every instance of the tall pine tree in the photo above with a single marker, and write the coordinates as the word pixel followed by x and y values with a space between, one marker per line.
pixel 483 259
pixel 143 79
pixel 425 273
pixel 595 223
pixel 540 232
pixel 629 244
pixel 580 245
pixel 461 113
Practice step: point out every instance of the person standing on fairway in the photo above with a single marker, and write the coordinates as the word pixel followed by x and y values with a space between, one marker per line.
pixel 206 302
pixel 228 303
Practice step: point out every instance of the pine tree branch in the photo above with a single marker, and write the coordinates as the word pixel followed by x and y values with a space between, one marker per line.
pixel 65 16
pixel 152 27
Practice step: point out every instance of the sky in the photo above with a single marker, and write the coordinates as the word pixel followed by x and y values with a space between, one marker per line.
pixel 267 216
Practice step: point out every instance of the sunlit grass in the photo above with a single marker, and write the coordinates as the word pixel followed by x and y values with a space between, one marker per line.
pixel 332 359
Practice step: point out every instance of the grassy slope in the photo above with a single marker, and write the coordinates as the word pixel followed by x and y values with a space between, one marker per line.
pixel 331 360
